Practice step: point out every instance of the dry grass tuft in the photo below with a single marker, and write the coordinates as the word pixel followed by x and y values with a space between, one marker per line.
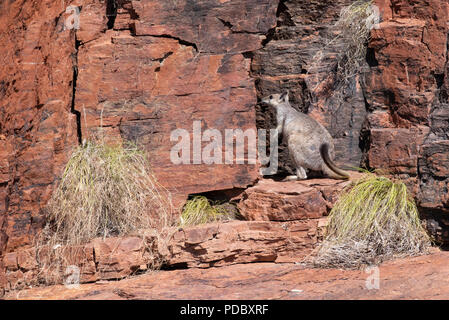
pixel 355 23
pixel 105 190
pixel 374 220
pixel 348 42
pixel 199 210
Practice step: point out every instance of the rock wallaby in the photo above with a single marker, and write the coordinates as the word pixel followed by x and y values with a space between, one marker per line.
pixel 309 144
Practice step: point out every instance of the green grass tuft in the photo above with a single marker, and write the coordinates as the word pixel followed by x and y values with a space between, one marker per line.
pixel 374 220
pixel 199 210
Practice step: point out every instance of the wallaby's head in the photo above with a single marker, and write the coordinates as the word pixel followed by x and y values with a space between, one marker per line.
pixel 276 99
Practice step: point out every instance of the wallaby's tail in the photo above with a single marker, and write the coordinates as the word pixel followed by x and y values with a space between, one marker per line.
pixel 324 150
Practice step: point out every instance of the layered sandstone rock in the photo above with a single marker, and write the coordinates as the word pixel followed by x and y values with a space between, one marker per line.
pixel 406 93
pixel 402 88
pixel 163 65
pixel 286 62
pixel 430 280
pixel 37 127
pixel 244 242
pixel 271 200
pixel 287 221
pixel 202 246
pixel 140 69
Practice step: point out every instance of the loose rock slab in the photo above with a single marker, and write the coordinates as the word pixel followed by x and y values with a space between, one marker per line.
pixel 271 200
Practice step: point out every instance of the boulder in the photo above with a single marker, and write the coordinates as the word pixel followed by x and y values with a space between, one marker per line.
pixel 271 200
pixel 243 242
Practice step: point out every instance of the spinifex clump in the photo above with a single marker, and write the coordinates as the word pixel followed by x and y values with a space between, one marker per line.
pixel 346 45
pixel 200 210
pixel 374 220
pixel 105 190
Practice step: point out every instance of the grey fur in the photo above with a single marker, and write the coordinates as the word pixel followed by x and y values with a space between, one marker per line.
pixel 306 139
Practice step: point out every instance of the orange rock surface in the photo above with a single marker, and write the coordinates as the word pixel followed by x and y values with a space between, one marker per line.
pixel 423 277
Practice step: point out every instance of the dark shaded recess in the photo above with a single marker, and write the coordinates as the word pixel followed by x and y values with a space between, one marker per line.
pixel 127 4
pixel 248 55
pixel 437 225
pixel 444 95
pixel 365 137
pixel 168 54
pixel 284 18
pixel 74 83
pixel 364 144
pixel 220 195
pixel 390 97
pixel 226 23
pixel 3 87
pixel 269 36
pixel 111 13
pixel 439 78
pixel 371 57
pixel 176 266
pixel 228 198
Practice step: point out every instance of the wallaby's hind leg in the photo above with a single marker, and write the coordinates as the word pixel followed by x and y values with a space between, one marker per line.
pixel 301 173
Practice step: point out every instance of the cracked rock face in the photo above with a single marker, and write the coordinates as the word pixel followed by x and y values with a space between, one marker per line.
pixel 162 66
pixel 406 94
pixel 286 62
pixel 406 90
pixel 141 69
pixel 37 127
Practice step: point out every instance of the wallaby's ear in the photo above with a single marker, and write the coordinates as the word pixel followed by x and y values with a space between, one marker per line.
pixel 284 96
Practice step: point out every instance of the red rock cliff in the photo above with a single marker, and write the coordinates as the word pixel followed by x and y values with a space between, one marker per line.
pixel 144 68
